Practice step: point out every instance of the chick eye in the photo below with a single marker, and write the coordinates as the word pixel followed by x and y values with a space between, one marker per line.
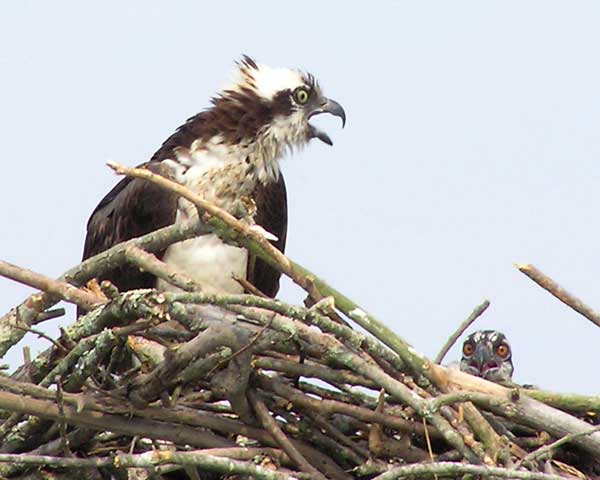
pixel 301 95
pixel 502 351
pixel 468 349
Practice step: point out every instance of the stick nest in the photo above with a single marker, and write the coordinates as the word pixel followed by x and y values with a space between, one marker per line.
pixel 197 384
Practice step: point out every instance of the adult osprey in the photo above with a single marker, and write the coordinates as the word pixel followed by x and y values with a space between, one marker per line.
pixel 227 153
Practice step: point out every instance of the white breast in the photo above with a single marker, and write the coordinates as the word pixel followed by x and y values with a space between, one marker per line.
pixel 206 259
pixel 209 261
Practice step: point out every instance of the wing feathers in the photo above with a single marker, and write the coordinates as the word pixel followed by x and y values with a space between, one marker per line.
pixel 132 208
pixel 271 214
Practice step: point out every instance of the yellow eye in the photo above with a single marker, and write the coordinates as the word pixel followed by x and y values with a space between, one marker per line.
pixel 468 349
pixel 502 350
pixel 301 95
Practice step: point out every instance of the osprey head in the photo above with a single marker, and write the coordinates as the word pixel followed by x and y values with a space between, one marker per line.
pixel 487 354
pixel 266 111
pixel 284 101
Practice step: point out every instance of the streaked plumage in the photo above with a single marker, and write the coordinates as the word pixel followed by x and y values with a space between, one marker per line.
pixel 487 354
pixel 228 154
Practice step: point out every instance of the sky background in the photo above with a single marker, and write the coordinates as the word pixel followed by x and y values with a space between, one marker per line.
pixel 472 143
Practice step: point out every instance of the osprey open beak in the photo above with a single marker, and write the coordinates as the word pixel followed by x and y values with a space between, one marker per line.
pixel 483 361
pixel 326 106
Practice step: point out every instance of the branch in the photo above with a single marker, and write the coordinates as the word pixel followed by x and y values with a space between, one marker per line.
pixel 453 470
pixel 555 289
pixel 26 314
pixel 100 421
pixel 326 407
pixel 312 370
pixel 540 452
pixel 475 314
pixel 333 350
pixel 149 263
pixel 229 228
pixel 516 405
pixel 273 428
pixel 571 402
pixel 153 458
pixel 63 290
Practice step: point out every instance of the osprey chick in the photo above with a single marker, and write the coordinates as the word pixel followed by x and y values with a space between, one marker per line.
pixel 229 154
pixel 487 354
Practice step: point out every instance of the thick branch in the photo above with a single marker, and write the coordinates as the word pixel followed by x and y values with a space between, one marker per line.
pixel 515 404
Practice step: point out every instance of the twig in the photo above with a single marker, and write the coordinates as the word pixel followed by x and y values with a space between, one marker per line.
pixel 359 452
pixel 325 407
pixel 213 215
pixel 153 458
pixel 229 228
pixel 41 334
pixel 149 263
pixel 271 426
pixel 516 405
pixel 330 349
pixel 554 445
pixel 555 289
pixel 62 425
pixel 427 440
pixel 475 314
pixel 27 361
pixel 453 470
pixel 238 352
pixel 312 370
pixel 85 300
pixel 249 287
pixel 49 315
pixel 28 311
pixel 115 423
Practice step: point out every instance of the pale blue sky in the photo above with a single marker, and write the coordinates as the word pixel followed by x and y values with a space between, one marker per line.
pixel 472 142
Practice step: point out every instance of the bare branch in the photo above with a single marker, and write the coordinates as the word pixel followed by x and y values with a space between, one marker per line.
pixel 219 464
pixel 475 314
pixel 555 289
pixel 26 313
pixel 149 263
pixel 271 426
pixel 63 290
pixel 454 469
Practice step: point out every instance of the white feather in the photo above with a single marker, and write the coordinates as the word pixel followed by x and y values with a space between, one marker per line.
pixel 268 80
pixel 208 261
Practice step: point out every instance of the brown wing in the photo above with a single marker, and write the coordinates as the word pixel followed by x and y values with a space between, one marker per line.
pixel 132 208
pixel 271 214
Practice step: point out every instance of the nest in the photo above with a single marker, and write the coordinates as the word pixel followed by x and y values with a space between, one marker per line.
pixel 194 384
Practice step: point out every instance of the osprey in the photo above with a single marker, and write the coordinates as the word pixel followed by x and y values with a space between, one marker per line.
pixel 487 354
pixel 228 154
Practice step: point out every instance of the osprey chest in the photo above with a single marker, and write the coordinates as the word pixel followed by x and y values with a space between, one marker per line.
pixel 209 261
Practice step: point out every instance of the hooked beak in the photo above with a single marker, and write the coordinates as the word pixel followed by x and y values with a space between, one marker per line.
pixel 483 361
pixel 326 106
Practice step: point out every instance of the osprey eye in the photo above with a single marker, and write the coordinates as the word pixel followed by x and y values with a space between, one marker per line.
pixel 468 349
pixel 502 351
pixel 301 95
